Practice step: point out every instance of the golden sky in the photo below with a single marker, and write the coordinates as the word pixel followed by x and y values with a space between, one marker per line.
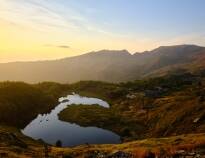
pixel 42 29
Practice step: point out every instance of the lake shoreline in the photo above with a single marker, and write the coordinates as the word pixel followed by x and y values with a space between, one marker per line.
pixel 46 126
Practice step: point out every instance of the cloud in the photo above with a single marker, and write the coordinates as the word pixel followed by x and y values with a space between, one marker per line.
pixel 35 14
pixel 49 16
pixel 63 46
pixel 58 46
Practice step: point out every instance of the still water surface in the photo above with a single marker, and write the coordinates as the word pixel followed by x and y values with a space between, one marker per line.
pixel 50 129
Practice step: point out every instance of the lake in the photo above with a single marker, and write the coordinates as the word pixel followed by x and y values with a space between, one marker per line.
pixel 50 129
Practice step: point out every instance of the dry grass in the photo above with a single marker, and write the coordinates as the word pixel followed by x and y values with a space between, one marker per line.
pixel 159 146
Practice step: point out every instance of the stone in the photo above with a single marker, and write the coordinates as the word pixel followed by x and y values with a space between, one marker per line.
pixel 130 96
pixel 121 154
pixel 196 120
pixel 197 156
pixel 180 152
pixel 191 153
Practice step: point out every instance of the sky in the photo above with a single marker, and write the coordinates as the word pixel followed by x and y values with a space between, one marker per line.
pixel 52 29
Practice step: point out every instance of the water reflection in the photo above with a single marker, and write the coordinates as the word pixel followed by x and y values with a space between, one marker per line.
pixel 49 128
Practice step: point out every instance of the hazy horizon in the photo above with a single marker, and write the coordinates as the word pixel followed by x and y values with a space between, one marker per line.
pixel 76 55
pixel 43 30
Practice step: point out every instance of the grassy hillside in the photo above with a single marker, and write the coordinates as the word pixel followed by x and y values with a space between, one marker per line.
pixel 21 102
pixel 17 98
pixel 112 119
pixel 165 106
pixel 15 145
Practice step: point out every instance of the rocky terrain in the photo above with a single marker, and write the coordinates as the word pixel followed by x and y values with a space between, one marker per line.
pixel 15 145
pixel 162 116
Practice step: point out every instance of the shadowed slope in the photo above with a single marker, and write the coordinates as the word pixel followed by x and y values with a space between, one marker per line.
pixel 107 65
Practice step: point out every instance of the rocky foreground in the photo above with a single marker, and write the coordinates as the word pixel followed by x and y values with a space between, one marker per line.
pixel 15 145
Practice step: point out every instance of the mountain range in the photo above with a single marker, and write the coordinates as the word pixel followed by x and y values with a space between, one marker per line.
pixel 108 65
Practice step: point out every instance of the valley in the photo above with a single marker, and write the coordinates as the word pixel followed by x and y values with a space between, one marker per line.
pixel 152 110
pixel 102 79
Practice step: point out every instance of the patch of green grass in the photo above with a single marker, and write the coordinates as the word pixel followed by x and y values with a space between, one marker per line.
pixel 89 115
pixel 95 115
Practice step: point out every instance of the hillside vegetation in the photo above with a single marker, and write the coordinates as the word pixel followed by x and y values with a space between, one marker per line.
pixel 15 145
pixel 171 106
pixel 21 102
pixel 157 107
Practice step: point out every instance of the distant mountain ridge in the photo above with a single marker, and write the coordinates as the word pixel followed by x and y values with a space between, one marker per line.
pixel 107 65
